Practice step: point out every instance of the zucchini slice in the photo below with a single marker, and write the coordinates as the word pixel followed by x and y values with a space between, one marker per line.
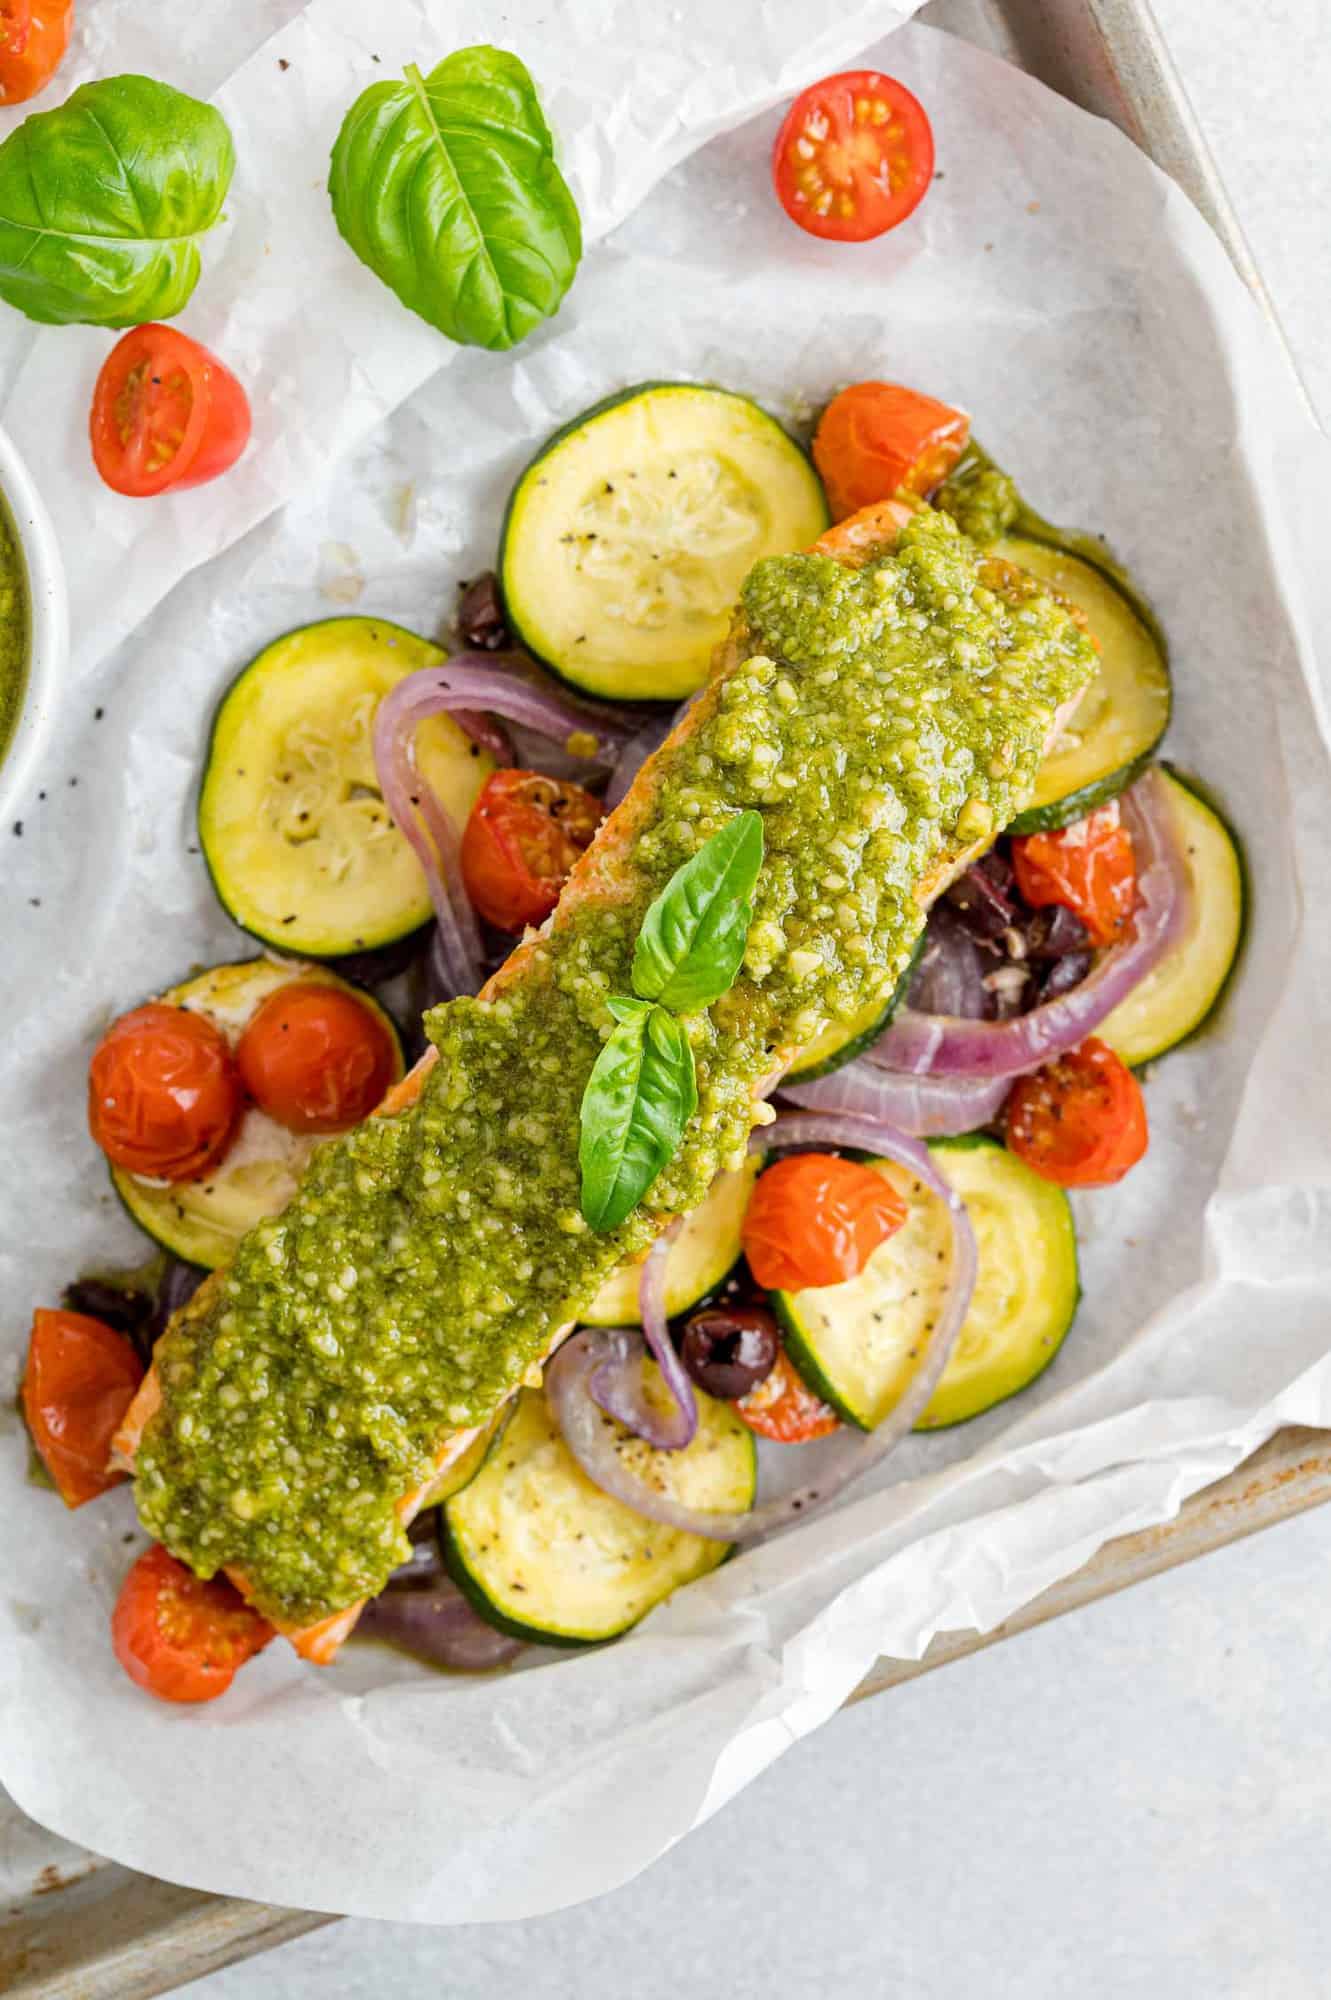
pixel 841 1041
pixel 1119 721
pixel 202 1221
pixel 856 1343
pixel 546 1555
pixel 629 534
pixel 1179 994
pixel 300 846
pixel 699 1260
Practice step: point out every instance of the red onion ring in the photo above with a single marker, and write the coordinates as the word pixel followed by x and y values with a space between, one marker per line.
pixel 943 1045
pixel 617 1383
pixel 568 1373
pixel 924 1107
pixel 436 1624
pixel 463 687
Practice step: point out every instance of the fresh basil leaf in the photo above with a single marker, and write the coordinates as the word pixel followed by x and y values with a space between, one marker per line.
pixel 446 186
pixel 691 944
pixel 640 1095
pixel 104 200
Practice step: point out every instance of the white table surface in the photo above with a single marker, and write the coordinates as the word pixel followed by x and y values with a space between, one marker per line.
pixel 1135 1801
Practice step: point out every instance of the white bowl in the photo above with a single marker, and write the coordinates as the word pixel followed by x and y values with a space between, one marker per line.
pixel 48 612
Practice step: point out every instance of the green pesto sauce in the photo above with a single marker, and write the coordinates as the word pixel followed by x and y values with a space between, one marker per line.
pixel 13 632
pixel 981 498
pixel 883 718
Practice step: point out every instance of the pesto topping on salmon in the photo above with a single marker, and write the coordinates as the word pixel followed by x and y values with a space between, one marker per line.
pixel 880 719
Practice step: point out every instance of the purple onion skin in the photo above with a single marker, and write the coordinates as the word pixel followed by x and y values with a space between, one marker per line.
pixel 729 1350
pixel 981 926
pixel 482 620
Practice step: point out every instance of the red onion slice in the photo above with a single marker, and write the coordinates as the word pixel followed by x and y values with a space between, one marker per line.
pixel 617 1383
pixel 924 1107
pixel 437 1624
pixel 942 1045
pixel 568 1373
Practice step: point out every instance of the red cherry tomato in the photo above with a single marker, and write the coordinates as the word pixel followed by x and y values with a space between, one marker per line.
pixel 520 844
pixel 165 414
pixel 784 1408
pixel 34 35
pixel 816 1219
pixel 854 157
pixel 316 1059
pixel 1089 867
pixel 181 1638
pixel 877 438
pixel 163 1093
pixel 80 1378
pixel 1080 1121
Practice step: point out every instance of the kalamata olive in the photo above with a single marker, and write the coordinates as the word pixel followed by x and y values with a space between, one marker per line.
pixel 124 1307
pixel 1055 931
pixel 729 1350
pixel 985 911
pixel 1064 974
pixel 385 962
pixel 481 619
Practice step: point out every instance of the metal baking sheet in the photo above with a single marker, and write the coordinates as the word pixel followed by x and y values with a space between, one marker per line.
pixel 74 1927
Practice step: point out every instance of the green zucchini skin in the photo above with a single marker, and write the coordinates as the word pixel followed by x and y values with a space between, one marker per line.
pixel 1017 1216
pixel 781 474
pixel 565 1599
pixel 699 1261
pixel 828 1055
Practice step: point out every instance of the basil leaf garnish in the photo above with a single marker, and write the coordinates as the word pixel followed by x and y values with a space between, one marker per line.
pixel 446 186
pixel 691 944
pixel 640 1095
pixel 104 200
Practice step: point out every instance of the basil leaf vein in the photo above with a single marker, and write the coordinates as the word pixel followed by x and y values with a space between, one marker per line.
pixel 639 1097
pixel 104 201
pixel 446 187
pixel 691 944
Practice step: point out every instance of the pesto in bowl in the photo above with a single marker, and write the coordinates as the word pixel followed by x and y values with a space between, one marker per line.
pixel 14 631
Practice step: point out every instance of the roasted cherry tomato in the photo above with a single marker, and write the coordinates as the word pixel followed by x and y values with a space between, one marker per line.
pixel 783 1406
pixel 520 843
pixel 1088 867
pixel 816 1219
pixel 179 1637
pixel 164 1095
pixel 876 439
pixel 165 414
pixel 854 157
pixel 1080 1121
pixel 315 1059
pixel 34 35
pixel 80 1379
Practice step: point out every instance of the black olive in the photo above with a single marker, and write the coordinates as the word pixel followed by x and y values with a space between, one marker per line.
pixel 481 619
pixel 1064 974
pixel 384 962
pixel 123 1307
pixel 1055 931
pixel 730 1350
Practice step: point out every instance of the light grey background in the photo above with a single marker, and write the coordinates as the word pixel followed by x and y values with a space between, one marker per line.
pixel 1133 1802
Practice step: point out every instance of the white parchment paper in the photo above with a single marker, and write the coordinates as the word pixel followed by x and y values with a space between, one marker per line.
pixel 1062 290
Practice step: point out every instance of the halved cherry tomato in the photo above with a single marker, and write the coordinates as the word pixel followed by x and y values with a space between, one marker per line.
pixel 165 414
pixel 34 35
pixel 179 1637
pixel 79 1381
pixel 1089 867
pixel 315 1059
pixel 816 1219
pixel 164 1096
pixel 854 156
pixel 784 1408
pixel 1080 1121
pixel 520 843
pixel 877 438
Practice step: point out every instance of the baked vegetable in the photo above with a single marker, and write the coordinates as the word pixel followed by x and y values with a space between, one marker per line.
pixel 699 1260
pixel 629 534
pixel 297 838
pixel 1179 994
pixel 545 1555
pixel 202 1220
pixel 855 1343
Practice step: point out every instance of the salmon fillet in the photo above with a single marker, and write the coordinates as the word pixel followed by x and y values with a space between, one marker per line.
pixel 603 878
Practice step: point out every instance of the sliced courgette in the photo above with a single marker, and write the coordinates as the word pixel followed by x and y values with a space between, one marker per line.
pixel 546 1555
pixel 202 1221
pixel 1119 721
pixel 841 1041
pixel 297 838
pixel 699 1260
pixel 629 534
pixel 857 1343
pixel 1179 994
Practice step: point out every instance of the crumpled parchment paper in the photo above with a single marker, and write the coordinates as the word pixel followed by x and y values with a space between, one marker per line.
pixel 1060 288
